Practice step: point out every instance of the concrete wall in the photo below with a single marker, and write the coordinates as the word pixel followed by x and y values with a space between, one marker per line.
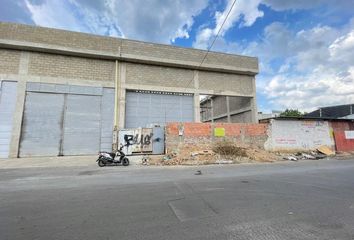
pixel 292 135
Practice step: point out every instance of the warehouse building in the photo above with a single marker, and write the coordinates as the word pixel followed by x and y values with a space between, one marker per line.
pixel 64 93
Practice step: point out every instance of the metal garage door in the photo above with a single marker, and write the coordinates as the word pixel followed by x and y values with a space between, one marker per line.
pixel 8 93
pixel 143 109
pixel 42 124
pixel 82 125
pixel 107 115
pixel 66 120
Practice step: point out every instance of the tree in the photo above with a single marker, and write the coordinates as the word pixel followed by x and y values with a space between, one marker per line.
pixel 291 113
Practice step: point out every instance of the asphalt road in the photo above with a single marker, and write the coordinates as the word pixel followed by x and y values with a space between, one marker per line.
pixel 293 200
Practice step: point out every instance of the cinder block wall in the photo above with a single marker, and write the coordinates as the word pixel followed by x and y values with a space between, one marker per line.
pixel 52 65
pixel 9 61
pixel 201 135
pixel 145 74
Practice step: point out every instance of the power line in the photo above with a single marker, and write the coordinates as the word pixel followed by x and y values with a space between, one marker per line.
pixel 216 36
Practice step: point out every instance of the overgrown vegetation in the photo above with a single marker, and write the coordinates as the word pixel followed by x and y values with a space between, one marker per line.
pixel 229 149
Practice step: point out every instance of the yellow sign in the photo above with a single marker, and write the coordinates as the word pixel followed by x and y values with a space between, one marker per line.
pixel 219 132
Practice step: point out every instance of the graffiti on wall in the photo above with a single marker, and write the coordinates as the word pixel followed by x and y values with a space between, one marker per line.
pixel 138 139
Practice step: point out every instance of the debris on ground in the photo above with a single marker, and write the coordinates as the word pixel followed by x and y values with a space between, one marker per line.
pixel 222 152
pixel 311 155
pixel 198 172
pixel 145 161
pixel 326 150
pixel 308 156
pixel 223 161
pixel 291 158
pixel 202 152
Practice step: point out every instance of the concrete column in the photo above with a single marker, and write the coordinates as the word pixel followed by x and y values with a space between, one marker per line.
pixel 254 110
pixel 196 107
pixel 19 108
pixel 196 97
pixel 228 109
pixel 121 95
pixel 212 109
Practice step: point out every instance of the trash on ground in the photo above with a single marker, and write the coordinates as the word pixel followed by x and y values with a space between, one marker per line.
pixel 198 172
pixel 308 156
pixel 224 161
pixel 326 150
pixel 290 158
pixel 202 152
pixel 145 160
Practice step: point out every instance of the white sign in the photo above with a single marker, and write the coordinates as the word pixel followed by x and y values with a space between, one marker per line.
pixel 349 134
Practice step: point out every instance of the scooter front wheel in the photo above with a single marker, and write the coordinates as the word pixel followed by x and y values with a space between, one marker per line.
pixel 125 161
pixel 101 163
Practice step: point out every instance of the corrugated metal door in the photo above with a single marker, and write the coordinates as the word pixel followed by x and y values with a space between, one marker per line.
pixel 82 125
pixel 42 124
pixel 143 109
pixel 66 120
pixel 158 140
pixel 8 93
pixel 107 114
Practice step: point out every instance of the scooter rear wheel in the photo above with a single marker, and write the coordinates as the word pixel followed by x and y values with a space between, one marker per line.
pixel 101 163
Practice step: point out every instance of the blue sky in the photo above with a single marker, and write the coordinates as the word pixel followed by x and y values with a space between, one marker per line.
pixel 305 47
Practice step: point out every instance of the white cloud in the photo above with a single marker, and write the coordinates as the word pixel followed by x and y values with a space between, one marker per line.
pixel 155 20
pixel 282 5
pixel 244 12
pixel 53 14
pixel 341 50
pixel 317 69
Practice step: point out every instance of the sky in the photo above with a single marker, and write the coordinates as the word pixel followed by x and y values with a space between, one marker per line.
pixel 305 47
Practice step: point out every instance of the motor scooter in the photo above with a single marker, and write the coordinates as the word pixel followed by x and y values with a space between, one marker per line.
pixel 112 158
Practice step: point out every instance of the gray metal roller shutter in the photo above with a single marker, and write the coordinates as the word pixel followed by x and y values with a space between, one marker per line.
pixel 107 114
pixel 42 124
pixel 8 93
pixel 66 120
pixel 143 109
pixel 82 125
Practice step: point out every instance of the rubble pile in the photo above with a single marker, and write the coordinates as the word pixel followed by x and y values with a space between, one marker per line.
pixel 217 153
pixel 320 153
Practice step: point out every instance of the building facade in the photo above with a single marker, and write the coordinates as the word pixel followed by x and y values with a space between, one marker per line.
pixel 64 93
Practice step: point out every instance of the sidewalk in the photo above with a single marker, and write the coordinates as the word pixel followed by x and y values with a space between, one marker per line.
pixel 65 161
pixel 33 162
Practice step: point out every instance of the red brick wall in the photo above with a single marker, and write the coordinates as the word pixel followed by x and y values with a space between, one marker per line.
pixel 202 134
pixel 206 129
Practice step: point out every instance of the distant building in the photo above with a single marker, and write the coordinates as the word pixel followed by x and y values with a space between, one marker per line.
pixel 339 111
pixel 273 114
